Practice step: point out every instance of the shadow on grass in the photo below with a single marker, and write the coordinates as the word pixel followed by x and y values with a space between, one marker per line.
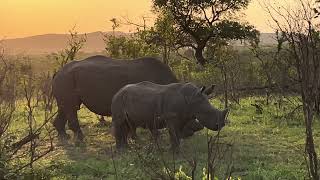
pixel 260 151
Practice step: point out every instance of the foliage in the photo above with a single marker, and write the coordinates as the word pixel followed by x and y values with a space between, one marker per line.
pixel 163 35
pixel 198 22
pixel 132 46
pixel 267 146
pixel 301 32
pixel 26 98
pixel 75 43
pixel 20 84
pixel 180 174
pixel 265 88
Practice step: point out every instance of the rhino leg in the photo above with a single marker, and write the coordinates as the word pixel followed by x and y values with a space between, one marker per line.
pixel 133 133
pixel 121 135
pixel 73 124
pixel 155 134
pixel 102 121
pixel 174 139
pixel 60 124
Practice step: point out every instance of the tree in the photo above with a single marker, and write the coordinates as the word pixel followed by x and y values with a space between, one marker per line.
pixel 162 35
pixel 197 22
pixel 19 86
pixel 75 44
pixel 301 35
pixel 115 24
pixel 134 45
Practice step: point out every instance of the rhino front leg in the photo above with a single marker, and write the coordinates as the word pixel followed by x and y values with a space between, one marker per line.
pixel 174 139
pixel 155 134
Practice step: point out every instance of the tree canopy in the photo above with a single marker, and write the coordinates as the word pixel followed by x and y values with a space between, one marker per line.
pixel 196 22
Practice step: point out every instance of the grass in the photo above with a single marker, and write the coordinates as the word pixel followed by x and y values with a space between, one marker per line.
pixel 265 146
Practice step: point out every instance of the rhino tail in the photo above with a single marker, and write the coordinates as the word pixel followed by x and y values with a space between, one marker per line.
pixel 113 131
pixel 54 74
pixel 124 110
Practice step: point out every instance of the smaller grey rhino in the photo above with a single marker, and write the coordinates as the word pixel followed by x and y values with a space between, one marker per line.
pixel 174 106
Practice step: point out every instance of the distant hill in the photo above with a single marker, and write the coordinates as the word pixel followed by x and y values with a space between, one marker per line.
pixel 266 39
pixel 48 43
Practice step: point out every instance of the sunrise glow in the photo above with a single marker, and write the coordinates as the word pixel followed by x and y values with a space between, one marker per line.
pixel 20 18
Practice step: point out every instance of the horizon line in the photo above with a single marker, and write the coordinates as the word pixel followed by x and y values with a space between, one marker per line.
pixel 3 37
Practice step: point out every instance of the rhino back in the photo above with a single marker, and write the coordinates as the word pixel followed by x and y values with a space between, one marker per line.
pixel 145 101
pixel 96 79
pixel 152 70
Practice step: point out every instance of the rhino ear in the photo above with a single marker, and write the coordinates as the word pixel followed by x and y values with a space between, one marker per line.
pixel 209 90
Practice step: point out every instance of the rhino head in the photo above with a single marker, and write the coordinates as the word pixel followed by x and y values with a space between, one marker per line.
pixel 205 113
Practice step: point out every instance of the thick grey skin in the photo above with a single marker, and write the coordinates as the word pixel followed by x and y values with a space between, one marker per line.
pixel 155 106
pixel 94 81
pixel 189 129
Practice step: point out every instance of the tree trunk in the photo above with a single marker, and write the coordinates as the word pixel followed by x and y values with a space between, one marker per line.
pixel 309 147
pixel 165 55
pixel 268 97
pixel 199 55
pixel 225 84
pixel 317 105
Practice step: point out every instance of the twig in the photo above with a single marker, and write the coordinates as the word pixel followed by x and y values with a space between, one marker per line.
pixel 114 163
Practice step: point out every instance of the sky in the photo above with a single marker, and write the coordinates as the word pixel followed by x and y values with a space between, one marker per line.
pixel 21 18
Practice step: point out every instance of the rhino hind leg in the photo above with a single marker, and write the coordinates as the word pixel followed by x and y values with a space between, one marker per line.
pixel 187 133
pixel 74 125
pixel 131 129
pixel 121 136
pixel 102 121
pixel 133 133
pixel 60 125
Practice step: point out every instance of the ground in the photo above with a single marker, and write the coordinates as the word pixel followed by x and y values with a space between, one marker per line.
pixel 261 146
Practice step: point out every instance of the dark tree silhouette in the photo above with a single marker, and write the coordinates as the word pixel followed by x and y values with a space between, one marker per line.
pixel 198 21
pixel 301 34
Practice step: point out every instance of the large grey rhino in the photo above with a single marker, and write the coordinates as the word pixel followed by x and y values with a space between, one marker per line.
pixel 153 106
pixel 93 82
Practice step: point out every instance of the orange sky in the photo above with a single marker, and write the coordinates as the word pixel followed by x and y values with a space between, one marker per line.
pixel 20 18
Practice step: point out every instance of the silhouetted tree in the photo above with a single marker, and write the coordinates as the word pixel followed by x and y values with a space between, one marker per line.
pixel 301 34
pixel 196 22
pixel 75 44
pixel 162 35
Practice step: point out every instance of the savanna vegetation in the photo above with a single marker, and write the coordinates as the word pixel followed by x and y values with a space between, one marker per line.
pixel 272 93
